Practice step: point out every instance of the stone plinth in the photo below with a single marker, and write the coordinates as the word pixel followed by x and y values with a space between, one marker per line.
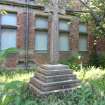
pixel 53 79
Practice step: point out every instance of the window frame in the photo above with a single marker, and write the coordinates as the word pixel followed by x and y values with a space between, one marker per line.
pixel 46 30
pixel 8 26
pixel 64 20
pixel 64 32
pixel 83 34
pixel 3 34
pixel 11 25
pixel 40 17
pixel 36 39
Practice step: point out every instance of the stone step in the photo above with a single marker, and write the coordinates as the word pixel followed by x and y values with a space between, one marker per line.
pixel 37 91
pixel 54 72
pixel 54 67
pixel 52 79
pixel 55 77
pixel 54 85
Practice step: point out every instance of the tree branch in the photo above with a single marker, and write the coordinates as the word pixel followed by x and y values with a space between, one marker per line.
pixel 93 13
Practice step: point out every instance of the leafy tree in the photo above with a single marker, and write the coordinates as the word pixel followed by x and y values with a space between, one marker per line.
pixel 95 11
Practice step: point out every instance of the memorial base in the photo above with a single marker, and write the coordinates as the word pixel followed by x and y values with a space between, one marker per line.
pixel 51 79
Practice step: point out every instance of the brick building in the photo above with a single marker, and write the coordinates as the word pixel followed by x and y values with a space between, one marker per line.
pixel 73 38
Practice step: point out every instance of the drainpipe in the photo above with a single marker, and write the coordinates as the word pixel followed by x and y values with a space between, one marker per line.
pixel 26 34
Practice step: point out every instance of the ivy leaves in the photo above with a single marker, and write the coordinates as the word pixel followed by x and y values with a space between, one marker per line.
pixel 3 12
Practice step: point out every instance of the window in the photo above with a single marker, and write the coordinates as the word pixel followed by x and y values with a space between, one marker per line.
pixel 8 39
pixel 64 35
pixel 83 43
pixel 82 28
pixel 41 22
pixel 41 35
pixel 83 38
pixel 9 19
pixel 64 25
pixel 64 42
pixel 41 41
pixel 8 31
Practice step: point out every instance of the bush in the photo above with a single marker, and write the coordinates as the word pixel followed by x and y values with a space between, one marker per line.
pixel 2 57
pixel 5 53
pixel 9 51
pixel 17 93
pixel 97 60
pixel 73 62
pixel 101 59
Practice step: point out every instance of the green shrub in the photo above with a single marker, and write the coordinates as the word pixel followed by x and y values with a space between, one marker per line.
pixel 72 62
pixel 101 59
pixel 17 93
pixel 9 51
pixel 2 57
pixel 5 53
pixel 97 60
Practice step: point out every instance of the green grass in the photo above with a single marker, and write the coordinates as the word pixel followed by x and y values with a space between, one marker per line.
pixel 14 89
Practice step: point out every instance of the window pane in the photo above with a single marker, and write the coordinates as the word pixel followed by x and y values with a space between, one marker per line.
pixel 9 19
pixel 83 43
pixel 64 42
pixel 64 25
pixel 41 41
pixel 41 22
pixel 8 38
pixel 82 28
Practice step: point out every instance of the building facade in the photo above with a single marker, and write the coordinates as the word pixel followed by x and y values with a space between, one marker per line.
pixel 74 36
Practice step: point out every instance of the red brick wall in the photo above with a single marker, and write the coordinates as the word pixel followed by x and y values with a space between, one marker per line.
pixel 100 46
pixel 20 30
pixel 44 57
pixel 11 61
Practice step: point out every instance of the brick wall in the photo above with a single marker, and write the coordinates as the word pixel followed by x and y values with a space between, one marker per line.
pixel 44 57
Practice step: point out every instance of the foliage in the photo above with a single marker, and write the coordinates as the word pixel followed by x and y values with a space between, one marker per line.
pixel 95 12
pixel 14 90
pixel 5 53
pixel 73 62
pixel 3 12
pixel 2 57
pixel 97 60
pixel 11 93
pixel 9 51
pixel 101 59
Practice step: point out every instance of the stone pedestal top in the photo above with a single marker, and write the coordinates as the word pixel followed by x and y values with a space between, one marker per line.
pixel 55 66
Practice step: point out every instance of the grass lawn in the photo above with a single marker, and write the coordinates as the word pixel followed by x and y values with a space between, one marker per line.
pixel 14 91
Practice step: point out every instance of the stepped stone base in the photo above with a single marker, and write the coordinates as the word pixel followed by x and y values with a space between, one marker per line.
pixel 53 79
